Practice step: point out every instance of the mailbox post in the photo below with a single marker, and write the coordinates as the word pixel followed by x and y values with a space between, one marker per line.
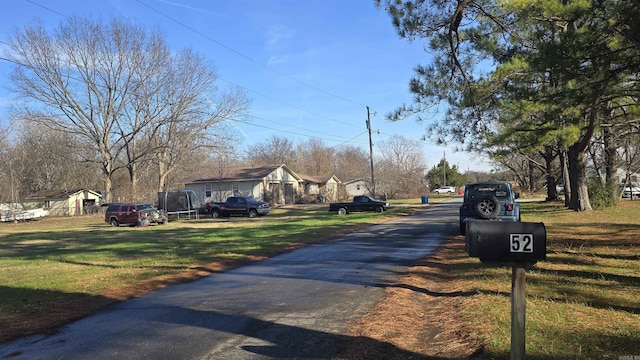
pixel 518 311
pixel 516 244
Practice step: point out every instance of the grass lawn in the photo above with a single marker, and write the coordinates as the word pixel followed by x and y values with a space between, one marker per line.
pixel 583 302
pixel 59 269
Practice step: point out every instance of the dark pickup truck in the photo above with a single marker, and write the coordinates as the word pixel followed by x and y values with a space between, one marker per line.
pixel 238 205
pixel 359 203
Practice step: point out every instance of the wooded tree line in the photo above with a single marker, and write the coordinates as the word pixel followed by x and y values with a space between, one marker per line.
pixel 36 158
pixel 399 163
pixel 545 86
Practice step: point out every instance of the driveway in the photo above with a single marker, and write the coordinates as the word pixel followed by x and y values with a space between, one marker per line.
pixel 296 305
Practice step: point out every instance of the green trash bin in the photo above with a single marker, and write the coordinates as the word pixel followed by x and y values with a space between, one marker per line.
pixel 425 199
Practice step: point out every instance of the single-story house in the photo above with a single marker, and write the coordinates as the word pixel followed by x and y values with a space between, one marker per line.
pixel 277 184
pixel 66 202
pixel 356 188
pixel 318 189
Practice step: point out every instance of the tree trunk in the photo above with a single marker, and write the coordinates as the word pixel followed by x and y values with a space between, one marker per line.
pixel 162 172
pixel 133 191
pixel 565 178
pixel 552 194
pixel 532 169
pixel 107 172
pixel 578 179
pixel 611 160
pixel 108 189
pixel 134 188
pixel 577 167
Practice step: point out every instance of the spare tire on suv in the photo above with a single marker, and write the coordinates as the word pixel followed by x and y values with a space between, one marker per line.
pixel 487 207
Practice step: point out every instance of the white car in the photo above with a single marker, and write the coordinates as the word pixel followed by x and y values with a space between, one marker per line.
pixel 445 190
pixel 631 190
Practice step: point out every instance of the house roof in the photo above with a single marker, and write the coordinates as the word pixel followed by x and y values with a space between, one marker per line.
pixel 57 194
pixel 245 173
pixel 318 179
pixel 353 181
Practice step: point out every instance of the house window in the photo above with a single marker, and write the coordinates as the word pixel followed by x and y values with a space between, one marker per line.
pixel 207 190
pixel 47 204
pixel 358 187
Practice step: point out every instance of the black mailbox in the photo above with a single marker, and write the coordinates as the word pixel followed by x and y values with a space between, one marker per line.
pixel 506 240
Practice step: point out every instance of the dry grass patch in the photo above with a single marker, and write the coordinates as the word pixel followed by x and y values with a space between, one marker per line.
pixel 419 318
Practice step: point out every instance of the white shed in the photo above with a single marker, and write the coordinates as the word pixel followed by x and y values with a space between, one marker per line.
pixel 356 187
pixel 66 202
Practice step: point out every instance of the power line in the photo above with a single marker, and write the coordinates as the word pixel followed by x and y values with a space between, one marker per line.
pixel 48 9
pixel 241 55
pixel 327 138
pixel 245 122
pixel 231 50
pixel 342 140
pixel 247 57
pixel 289 105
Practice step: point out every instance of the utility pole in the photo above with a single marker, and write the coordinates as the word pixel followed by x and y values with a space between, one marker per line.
pixel 444 168
pixel 373 181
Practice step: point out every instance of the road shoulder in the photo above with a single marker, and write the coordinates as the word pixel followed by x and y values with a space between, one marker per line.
pixel 419 315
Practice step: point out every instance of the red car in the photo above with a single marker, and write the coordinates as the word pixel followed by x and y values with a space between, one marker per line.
pixel 134 214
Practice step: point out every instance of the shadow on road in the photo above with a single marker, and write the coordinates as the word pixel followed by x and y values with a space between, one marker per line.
pixel 285 341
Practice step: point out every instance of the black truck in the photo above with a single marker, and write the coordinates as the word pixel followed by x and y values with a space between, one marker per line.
pixel 238 205
pixel 359 203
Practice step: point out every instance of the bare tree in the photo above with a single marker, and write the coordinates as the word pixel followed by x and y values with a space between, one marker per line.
pixel 352 163
pixel 190 115
pixel 400 167
pixel 314 158
pixel 51 160
pixel 34 158
pixel 275 150
pixel 118 88
pixel 7 192
pixel 79 79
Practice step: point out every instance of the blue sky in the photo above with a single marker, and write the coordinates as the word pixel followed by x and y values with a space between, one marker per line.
pixel 310 66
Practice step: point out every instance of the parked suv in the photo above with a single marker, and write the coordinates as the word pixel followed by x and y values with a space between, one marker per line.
pixel 489 201
pixel 134 214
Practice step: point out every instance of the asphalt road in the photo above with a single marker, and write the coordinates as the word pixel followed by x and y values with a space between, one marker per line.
pixel 293 306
